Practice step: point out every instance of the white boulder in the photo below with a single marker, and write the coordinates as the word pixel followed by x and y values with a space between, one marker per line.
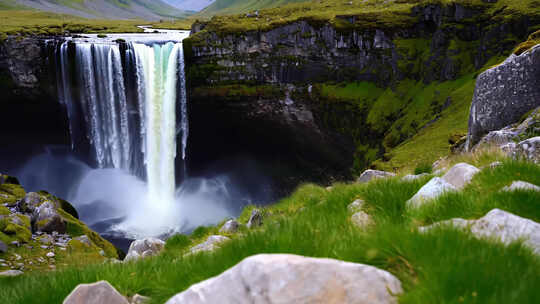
pixel 231 226
pixel 500 225
pixel 433 189
pixel 460 175
pixel 284 279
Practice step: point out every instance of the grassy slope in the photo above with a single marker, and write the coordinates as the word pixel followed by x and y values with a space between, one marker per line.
pixel 221 7
pixel 444 266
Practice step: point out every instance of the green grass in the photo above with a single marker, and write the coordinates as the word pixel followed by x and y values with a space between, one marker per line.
pixel 443 266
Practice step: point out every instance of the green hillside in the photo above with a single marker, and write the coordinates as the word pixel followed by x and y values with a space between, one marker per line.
pixel 241 6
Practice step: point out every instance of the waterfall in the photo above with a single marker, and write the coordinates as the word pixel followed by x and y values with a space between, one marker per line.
pixel 125 96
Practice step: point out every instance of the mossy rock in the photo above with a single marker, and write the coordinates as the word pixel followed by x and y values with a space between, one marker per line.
pixel 75 228
pixel 18 233
pixel 65 205
pixel 11 193
pixel 4 211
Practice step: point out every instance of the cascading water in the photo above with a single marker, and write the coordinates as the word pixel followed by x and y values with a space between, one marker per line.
pixel 125 98
pixel 134 132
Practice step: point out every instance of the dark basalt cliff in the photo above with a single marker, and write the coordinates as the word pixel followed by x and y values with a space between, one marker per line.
pixel 441 43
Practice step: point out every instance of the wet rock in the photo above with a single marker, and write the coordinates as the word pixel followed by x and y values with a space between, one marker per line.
pixel 369 175
pixel 231 226
pixel 11 273
pixel 500 225
pixel 144 248
pixel 521 186
pixel 281 278
pixel 433 189
pixel 356 206
pixel 96 293
pixel 211 243
pixel 504 94
pixel 256 219
pixel 361 219
pixel 460 175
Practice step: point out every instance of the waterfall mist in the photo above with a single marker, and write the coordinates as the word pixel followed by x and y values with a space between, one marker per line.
pixel 127 109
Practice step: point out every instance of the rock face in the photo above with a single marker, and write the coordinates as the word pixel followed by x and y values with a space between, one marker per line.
pixel 504 94
pixel 144 248
pixel 211 243
pixel 460 175
pixel 369 175
pixel 284 279
pixel 433 189
pixel 521 185
pixel 501 225
pixel 97 293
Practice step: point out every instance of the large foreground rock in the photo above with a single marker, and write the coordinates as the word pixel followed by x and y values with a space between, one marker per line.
pixel 97 293
pixel 460 175
pixel 144 248
pixel 504 94
pixel 369 175
pixel 284 279
pixel 433 189
pixel 500 225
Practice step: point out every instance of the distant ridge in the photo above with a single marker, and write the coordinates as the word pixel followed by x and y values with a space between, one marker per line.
pixel 190 5
pixel 102 9
pixel 220 7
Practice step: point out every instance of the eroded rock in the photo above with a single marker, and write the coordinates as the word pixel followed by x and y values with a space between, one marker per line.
pixel 284 279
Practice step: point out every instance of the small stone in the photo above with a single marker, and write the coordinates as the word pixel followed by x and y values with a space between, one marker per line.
pixel 211 243
pixel 50 254
pixel 100 292
pixel 138 299
pixel 369 175
pixel 102 252
pixel 521 186
pixel 44 247
pixel 494 165
pixel 46 239
pixel 16 257
pixel 11 273
pixel 361 219
pixel 256 219
pixel 231 226
pixel 355 206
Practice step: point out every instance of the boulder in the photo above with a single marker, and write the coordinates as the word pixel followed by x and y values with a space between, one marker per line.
pixel 211 243
pixel 521 185
pixel 3 247
pixel 10 273
pixel 97 293
pixel 500 225
pixel 231 226
pixel 285 278
pixel 497 138
pixel 433 189
pixel 256 219
pixel 30 202
pixel 369 175
pixel 47 219
pixel 84 239
pixel 356 206
pixel 503 94
pixel 361 219
pixel 460 175
pixel 144 248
